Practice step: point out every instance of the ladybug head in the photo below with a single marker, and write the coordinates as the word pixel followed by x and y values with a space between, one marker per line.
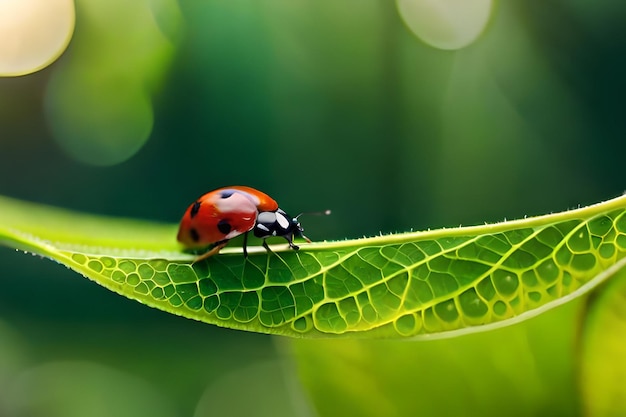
pixel 280 224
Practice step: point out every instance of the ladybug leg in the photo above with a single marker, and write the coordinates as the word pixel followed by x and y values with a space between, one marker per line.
pixel 298 232
pixel 245 245
pixel 289 240
pixel 267 248
pixel 214 251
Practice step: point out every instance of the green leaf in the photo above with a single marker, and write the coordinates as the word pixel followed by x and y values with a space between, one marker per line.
pixel 602 365
pixel 438 282
pixel 517 371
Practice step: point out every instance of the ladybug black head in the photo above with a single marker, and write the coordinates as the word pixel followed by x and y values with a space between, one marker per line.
pixel 280 224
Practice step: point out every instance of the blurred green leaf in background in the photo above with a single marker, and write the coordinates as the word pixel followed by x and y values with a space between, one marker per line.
pixel 396 115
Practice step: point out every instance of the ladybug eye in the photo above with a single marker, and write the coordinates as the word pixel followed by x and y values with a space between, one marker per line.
pixel 194 209
pixel 224 227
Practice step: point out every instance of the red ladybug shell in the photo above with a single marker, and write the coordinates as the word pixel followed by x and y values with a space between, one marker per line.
pixel 222 214
pixel 263 201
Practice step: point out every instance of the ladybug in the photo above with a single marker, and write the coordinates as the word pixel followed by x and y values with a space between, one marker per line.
pixel 222 214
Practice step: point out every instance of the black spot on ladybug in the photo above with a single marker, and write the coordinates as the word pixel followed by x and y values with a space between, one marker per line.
pixel 194 234
pixel 224 227
pixel 227 193
pixel 194 209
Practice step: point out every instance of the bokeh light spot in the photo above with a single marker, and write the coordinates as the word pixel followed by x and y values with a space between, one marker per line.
pixel 34 34
pixel 78 389
pixel 99 99
pixel 98 124
pixel 446 24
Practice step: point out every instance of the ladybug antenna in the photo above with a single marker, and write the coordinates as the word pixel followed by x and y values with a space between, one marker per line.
pixel 314 213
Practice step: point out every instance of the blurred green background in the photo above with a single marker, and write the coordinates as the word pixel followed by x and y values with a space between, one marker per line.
pixel 332 104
